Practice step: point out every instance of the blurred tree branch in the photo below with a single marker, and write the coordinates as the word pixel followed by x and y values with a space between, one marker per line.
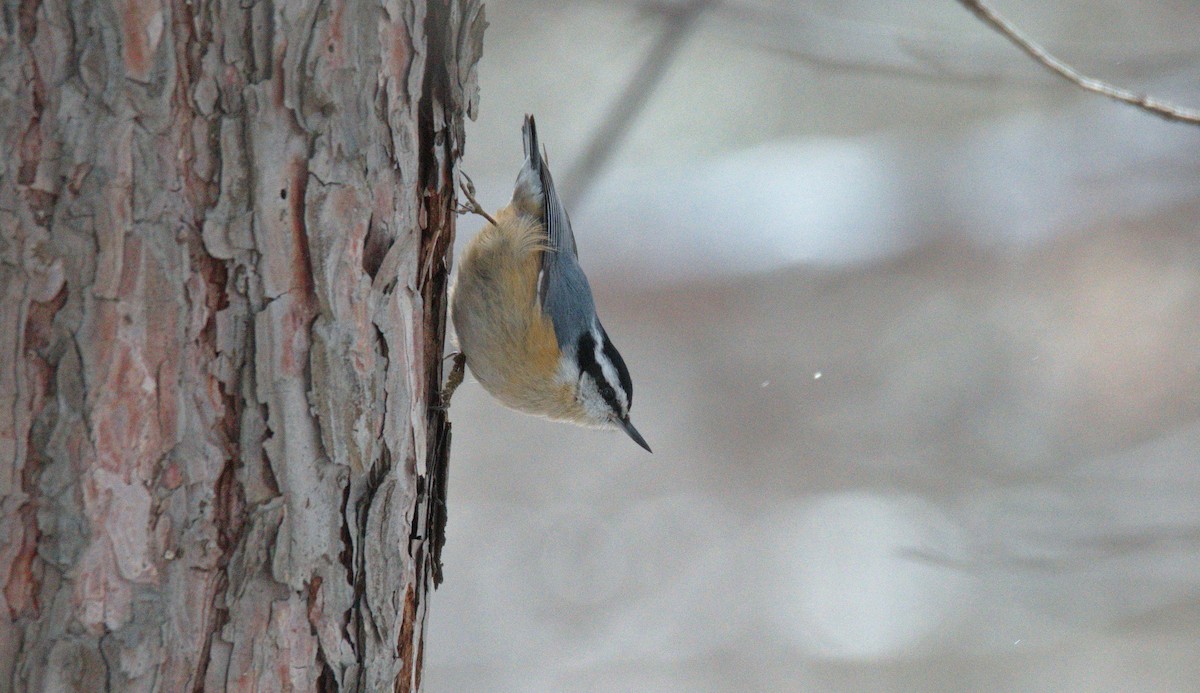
pixel 679 22
pixel 1012 33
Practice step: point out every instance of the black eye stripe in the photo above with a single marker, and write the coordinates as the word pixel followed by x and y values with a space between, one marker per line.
pixel 585 353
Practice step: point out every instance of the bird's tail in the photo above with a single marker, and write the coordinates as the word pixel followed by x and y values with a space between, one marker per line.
pixel 533 152
pixel 529 193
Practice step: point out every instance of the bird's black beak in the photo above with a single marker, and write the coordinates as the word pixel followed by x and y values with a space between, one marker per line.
pixel 627 426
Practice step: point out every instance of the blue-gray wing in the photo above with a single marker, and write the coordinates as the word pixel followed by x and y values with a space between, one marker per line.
pixel 558 225
pixel 567 300
pixel 563 289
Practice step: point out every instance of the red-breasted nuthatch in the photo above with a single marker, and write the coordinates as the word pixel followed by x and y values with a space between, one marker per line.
pixel 525 316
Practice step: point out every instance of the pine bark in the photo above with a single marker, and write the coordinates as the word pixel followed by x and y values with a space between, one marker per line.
pixel 225 229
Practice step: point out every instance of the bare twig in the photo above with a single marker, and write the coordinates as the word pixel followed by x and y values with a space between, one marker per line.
pixel 472 206
pixel 1013 34
pixel 860 45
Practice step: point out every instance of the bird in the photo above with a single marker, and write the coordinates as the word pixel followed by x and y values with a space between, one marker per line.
pixel 524 313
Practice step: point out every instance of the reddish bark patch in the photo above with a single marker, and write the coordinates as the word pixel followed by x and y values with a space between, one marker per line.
pixel 24 573
pixel 278 74
pixel 132 269
pixel 39 321
pixel 335 38
pixel 314 600
pixel 31 144
pixel 172 476
pixel 23 581
pixel 397 48
pixel 135 403
pixel 294 342
pixel 126 421
pixel 404 646
pixel 27 19
pixel 31 152
pixel 141 24
pixel 302 280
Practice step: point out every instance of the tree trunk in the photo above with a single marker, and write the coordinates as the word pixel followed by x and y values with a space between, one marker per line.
pixel 225 230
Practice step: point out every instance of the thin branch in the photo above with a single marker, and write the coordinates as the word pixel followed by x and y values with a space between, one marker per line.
pixel 680 21
pixel 1013 34
pixel 863 46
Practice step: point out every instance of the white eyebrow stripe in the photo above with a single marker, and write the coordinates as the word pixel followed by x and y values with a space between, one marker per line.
pixel 609 370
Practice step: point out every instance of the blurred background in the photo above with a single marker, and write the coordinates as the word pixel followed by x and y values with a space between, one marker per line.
pixel 914 328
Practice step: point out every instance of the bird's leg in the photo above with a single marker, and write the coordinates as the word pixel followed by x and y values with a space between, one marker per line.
pixel 457 371
pixel 471 206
